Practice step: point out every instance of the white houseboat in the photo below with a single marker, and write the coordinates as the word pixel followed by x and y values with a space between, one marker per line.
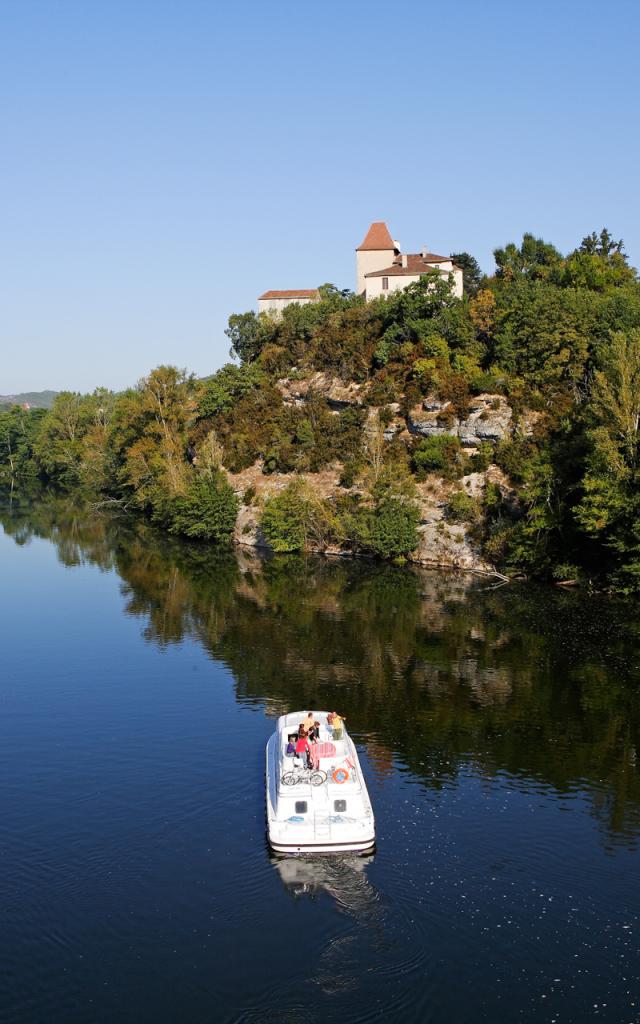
pixel 321 809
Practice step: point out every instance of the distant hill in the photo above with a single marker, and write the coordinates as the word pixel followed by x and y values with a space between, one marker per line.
pixel 36 399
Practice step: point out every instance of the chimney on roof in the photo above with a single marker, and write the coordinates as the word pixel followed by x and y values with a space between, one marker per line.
pixel 405 260
pixel 396 244
pixel 424 252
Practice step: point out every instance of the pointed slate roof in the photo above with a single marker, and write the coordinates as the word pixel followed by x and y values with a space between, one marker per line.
pixel 377 237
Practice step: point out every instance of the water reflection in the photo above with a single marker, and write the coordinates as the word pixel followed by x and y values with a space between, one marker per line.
pixel 343 878
pixel 436 673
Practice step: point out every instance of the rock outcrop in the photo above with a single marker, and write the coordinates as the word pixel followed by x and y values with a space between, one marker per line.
pixel 489 419
pixel 337 394
pixel 442 542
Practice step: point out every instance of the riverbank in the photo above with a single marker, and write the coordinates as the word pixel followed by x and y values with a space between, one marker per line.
pixel 497 432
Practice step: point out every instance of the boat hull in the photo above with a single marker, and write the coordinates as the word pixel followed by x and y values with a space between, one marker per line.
pixel 349 847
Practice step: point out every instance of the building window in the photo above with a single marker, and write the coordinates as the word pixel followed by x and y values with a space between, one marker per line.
pixel 339 805
pixel 301 806
pixel 385 284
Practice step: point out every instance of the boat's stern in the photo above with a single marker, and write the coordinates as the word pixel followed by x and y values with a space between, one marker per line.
pixel 326 834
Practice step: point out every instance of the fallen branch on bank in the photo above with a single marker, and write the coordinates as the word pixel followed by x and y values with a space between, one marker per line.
pixel 118 504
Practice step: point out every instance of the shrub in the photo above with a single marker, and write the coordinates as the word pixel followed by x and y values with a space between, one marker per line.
pixel 566 571
pixel 390 529
pixel 381 353
pixel 514 455
pixel 438 454
pixel 295 517
pixel 482 458
pixel 207 511
pixel 454 388
pixel 349 475
pixel 462 508
pixel 382 391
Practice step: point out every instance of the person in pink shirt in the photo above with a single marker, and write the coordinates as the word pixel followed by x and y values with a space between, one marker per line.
pixel 302 750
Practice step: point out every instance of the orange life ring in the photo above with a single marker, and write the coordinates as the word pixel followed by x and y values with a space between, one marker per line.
pixel 339 775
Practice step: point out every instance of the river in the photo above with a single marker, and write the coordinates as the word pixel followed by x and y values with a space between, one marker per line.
pixel 497 727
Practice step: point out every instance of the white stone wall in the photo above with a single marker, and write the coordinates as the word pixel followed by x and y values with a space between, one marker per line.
pixel 274 307
pixel 369 260
pixel 397 284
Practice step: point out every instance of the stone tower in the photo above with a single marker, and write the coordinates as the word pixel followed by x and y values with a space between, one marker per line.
pixel 376 252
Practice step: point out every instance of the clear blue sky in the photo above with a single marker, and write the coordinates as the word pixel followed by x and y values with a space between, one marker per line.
pixel 162 163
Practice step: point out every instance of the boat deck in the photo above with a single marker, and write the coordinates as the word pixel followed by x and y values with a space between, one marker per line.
pixel 342 749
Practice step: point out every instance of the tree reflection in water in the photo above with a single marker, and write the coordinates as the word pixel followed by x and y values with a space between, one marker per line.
pixel 436 672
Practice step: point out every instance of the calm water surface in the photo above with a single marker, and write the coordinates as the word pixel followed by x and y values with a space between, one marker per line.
pixel 139 681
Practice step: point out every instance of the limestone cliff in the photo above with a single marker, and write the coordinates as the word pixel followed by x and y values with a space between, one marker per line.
pixel 442 542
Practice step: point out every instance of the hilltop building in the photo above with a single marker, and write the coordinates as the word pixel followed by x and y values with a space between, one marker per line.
pixel 381 266
pixel 273 302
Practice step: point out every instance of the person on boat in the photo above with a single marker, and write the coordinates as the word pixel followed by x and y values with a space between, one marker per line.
pixel 336 725
pixel 291 745
pixel 302 750
pixel 309 722
pixel 314 733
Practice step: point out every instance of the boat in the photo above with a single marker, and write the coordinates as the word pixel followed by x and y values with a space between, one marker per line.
pixel 321 809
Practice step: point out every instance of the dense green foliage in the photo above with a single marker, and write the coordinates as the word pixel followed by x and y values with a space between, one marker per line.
pixel 556 337
pixel 206 511
pixel 289 517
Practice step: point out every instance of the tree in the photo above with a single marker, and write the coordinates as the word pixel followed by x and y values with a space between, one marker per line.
pixel 329 293
pixel 602 245
pixel 543 334
pixel 58 448
pixel 599 263
pixel 471 273
pixel 18 432
pixel 155 422
pixel 616 394
pixel 534 258
pixel 248 334
pixel 482 310
pixel 219 392
pixel 207 511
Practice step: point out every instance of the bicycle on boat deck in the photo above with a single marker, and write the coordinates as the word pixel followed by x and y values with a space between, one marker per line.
pixel 313 775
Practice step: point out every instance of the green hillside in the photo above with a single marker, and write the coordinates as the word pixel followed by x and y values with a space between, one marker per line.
pixel 36 399
pixel 499 429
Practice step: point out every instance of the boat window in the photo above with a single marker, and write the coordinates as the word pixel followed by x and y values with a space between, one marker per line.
pixel 301 806
pixel 339 805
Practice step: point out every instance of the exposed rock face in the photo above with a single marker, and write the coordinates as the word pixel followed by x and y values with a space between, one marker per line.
pixel 489 419
pixel 338 394
pixel 443 543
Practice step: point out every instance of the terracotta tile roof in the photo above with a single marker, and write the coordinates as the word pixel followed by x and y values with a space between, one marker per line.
pixel 377 237
pixel 416 264
pixel 292 293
